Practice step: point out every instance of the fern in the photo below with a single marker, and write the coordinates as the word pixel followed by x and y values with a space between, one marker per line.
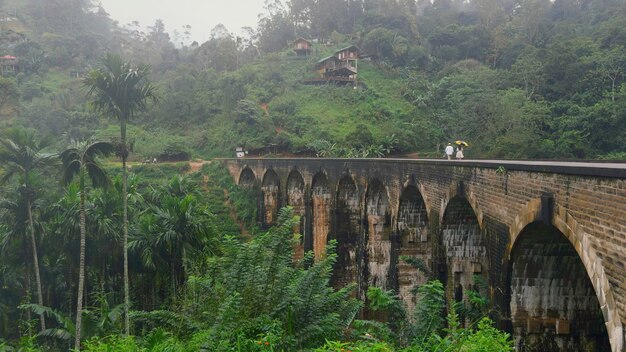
pixel 65 332
pixel 256 289
pixel 429 311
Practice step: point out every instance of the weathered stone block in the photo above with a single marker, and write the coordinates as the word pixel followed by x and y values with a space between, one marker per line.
pixel 477 268
pixel 457 267
pixel 562 327
pixel 533 325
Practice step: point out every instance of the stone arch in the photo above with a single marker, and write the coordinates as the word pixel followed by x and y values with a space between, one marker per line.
pixel 414 242
pixel 321 204
pixel 296 199
pixel 464 248
pixel 411 181
pixel 422 190
pixel 582 244
pixel 412 216
pixel 348 229
pixel 270 187
pixel 460 189
pixel 378 229
pixel 552 301
pixel 247 178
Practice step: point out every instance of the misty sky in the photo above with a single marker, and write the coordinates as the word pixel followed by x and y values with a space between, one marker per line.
pixel 202 15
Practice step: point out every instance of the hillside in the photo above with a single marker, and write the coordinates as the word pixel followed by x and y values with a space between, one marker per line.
pixel 277 108
pixel 540 80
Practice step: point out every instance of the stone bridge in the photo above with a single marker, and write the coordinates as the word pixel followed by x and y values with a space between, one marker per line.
pixel 545 241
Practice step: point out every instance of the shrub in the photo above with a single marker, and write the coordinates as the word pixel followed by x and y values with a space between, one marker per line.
pixel 174 151
pixel 487 339
pixel 117 343
pixel 255 292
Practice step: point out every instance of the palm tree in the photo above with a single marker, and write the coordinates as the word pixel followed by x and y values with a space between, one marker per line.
pixel 119 90
pixel 80 159
pixel 174 227
pixel 21 155
pixel 14 243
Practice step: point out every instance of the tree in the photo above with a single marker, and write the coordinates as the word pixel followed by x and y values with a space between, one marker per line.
pixel 528 71
pixel 386 44
pixel 613 66
pixel 531 17
pixel 14 243
pixel 276 28
pixel 9 93
pixel 22 155
pixel 81 159
pixel 221 51
pixel 172 230
pixel 120 90
pixel 491 12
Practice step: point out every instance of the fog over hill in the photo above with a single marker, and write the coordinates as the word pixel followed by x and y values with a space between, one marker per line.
pixel 201 15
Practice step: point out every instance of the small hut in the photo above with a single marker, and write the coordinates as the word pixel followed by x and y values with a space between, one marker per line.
pixel 8 64
pixel 348 53
pixel 340 68
pixel 302 47
pixel 349 57
pixel 326 66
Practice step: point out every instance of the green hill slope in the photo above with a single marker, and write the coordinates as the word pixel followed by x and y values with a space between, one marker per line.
pixel 512 89
pixel 266 107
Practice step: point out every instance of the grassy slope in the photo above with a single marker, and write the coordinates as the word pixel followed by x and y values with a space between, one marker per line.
pixel 327 112
pixel 330 112
pixel 378 103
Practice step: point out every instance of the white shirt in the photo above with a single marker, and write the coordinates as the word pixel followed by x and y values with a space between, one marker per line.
pixel 449 150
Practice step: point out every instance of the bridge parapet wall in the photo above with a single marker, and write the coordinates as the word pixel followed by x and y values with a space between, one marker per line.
pixel 586 203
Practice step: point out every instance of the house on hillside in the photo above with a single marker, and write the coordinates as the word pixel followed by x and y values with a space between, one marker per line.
pixel 302 47
pixel 10 38
pixel 341 67
pixel 326 65
pixel 8 65
pixel 349 53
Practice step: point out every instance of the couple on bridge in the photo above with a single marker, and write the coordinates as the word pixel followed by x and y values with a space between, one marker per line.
pixel 459 150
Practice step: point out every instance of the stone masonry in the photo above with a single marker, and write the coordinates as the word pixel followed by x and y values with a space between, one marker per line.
pixel 549 239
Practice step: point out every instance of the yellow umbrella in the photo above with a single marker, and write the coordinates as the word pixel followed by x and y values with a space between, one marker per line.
pixel 463 143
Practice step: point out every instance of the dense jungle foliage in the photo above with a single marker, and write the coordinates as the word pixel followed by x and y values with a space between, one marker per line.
pixel 515 78
pixel 203 277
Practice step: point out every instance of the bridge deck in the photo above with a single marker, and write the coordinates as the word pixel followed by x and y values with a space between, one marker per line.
pixel 582 168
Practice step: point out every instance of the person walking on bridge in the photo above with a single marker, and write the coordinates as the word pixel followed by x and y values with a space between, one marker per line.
pixel 459 153
pixel 449 151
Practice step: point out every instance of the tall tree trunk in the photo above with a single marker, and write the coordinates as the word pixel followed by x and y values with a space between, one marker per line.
pixel 81 265
pixel 613 88
pixel 173 278
pixel 33 243
pixel 27 294
pixel 125 221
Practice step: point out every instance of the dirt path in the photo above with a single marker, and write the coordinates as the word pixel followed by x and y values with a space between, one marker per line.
pixel 196 165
